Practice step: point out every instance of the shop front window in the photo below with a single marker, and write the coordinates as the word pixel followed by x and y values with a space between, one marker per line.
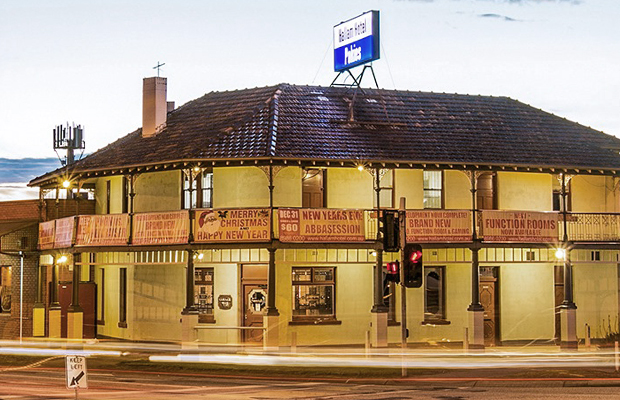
pixel 313 294
pixel 203 294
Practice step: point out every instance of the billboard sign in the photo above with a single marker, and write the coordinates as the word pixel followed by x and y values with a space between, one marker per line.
pixel 356 41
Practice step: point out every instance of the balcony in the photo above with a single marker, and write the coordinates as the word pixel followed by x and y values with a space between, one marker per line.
pixel 320 226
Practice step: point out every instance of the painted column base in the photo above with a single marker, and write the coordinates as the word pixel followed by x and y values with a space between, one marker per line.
pixel 75 325
pixel 568 336
pixel 379 330
pixel 271 335
pixel 476 330
pixel 38 320
pixel 54 323
pixel 189 334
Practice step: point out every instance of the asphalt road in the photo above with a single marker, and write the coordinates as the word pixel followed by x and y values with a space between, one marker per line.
pixel 49 384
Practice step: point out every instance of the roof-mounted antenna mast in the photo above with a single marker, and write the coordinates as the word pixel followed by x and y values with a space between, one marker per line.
pixel 68 138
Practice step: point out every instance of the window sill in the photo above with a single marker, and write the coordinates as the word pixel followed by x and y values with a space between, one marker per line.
pixel 206 319
pixel 315 322
pixel 122 324
pixel 435 322
pixel 100 322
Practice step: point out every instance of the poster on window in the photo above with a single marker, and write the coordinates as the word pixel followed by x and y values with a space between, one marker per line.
pixel 64 232
pixel 439 226
pixel 519 226
pixel 232 225
pixel 161 228
pixel 321 225
pixel 102 230
pixel 46 235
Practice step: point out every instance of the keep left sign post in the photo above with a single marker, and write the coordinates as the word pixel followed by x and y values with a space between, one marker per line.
pixel 76 373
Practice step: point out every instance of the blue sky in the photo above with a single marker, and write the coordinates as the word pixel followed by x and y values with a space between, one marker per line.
pixel 83 61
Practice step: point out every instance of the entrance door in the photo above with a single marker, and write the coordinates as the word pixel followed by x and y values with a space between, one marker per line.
pixel 558 283
pixel 254 289
pixel 88 295
pixel 489 300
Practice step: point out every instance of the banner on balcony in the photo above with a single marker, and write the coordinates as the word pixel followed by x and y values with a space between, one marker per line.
pixel 439 226
pixel 161 228
pixel 46 235
pixel 64 232
pixel 319 225
pixel 102 230
pixel 232 225
pixel 519 226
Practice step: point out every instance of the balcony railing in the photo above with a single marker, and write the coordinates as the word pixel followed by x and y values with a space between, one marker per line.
pixel 296 225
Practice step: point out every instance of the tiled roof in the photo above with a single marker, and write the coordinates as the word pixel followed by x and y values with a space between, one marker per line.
pixel 319 123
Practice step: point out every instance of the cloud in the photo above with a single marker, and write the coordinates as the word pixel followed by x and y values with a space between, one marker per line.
pixel 505 18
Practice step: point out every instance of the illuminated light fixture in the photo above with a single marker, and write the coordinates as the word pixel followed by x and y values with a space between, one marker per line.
pixel 66 183
pixel 62 259
pixel 373 253
pixel 360 167
pixel 196 169
pixel 560 254
pixel 200 256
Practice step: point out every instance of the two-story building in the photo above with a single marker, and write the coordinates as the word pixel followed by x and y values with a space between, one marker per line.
pixel 253 215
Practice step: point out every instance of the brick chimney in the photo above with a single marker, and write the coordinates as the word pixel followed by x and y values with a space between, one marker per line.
pixel 154 106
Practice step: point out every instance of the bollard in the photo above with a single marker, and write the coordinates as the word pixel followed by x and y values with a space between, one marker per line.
pixel 617 361
pixel 293 342
pixel 587 337
pixel 367 344
pixel 466 339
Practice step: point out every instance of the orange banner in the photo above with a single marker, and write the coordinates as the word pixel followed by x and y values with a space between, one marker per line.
pixel 233 225
pixel 102 230
pixel 161 228
pixel 64 232
pixel 439 226
pixel 46 235
pixel 519 226
pixel 320 225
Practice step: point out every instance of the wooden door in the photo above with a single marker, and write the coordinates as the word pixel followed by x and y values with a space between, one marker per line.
pixel 489 300
pixel 558 278
pixel 312 188
pixel 255 301
pixel 88 296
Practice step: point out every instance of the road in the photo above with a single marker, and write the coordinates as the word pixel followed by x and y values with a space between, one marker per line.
pixel 49 384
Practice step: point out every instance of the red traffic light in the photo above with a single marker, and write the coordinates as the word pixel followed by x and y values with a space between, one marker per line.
pixel 393 267
pixel 415 256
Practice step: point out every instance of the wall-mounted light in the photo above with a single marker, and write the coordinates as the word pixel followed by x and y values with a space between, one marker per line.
pixel 360 167
pixel 66 183
pixel 61 259
pixel 560 254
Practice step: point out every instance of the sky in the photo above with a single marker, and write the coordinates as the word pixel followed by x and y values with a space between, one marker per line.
pixel 82 62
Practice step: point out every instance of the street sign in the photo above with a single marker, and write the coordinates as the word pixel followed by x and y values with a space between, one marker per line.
pixel 76 372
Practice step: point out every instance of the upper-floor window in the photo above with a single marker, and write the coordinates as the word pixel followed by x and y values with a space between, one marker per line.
pixel 313 188
pixel 200 193
pixel 433 189
pixel 557 196
pixel 386 184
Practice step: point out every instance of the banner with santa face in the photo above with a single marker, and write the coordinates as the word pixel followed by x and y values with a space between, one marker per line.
pixel 232 225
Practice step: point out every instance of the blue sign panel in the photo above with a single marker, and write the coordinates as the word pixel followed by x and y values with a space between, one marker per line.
pixel 356 41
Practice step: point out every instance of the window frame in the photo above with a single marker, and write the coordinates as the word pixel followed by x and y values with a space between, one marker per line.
pixel 198 190
pixel 204 316
pixel 319 318
pixel 439 317
pixel 389 188
pixel 122 298
pixel 439 190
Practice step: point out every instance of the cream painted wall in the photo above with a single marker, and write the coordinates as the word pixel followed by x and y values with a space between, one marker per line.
pixel 116 195
pixel 240 187
pixel 457 190
pixel 524 191
pixel 409 183
pixel 110 295
pixel 527 302
pixel 349 188
pixel 590 193
pixel 287 188
pixel 225 282
pixel 596 296
pixel 158 293
pixel 353 304
pixel 158 191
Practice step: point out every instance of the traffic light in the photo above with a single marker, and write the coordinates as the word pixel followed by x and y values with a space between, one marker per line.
pixel 393 272
pixel 391 230
pixel 412 265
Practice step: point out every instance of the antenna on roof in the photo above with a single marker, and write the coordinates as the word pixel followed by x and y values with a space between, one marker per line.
pixel 68 138
pixel 158 66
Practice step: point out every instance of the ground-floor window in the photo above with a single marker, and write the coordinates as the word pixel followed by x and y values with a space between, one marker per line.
pixel 203 293
pixel 314 291
pixel 122 300
pixel 434 295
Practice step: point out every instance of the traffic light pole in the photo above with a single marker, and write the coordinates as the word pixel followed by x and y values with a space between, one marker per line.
pixel 403 290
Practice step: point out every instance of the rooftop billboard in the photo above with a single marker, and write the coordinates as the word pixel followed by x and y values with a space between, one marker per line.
pixel 356 41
